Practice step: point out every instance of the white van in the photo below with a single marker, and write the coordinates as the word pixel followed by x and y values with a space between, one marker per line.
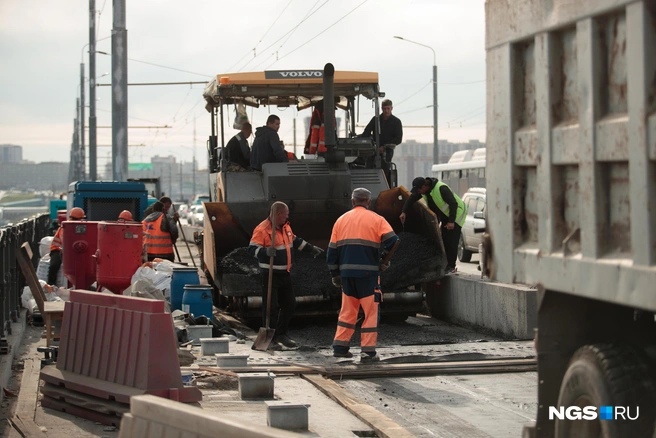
pixel 474 199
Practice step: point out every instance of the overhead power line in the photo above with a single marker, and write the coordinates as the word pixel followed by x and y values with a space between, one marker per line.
pixel 322 31
pixel 159 83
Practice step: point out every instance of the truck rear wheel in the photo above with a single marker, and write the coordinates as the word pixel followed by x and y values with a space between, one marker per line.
pixel 464 255
pixel 608 375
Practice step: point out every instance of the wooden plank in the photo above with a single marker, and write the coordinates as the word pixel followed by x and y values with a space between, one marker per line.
pixel 25 409
pixel 92 403
pixel 25 263
pixel 383 425
pixel 11 432
pixel 109 420
pixel 25 428
pixel 27 397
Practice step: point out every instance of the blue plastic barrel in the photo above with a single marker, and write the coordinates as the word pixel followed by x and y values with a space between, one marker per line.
pixel 179 278
pixel 197 300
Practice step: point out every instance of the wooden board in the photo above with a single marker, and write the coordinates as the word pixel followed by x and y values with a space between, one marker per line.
pixel 25 409
pixel 384 426
pixel 107 407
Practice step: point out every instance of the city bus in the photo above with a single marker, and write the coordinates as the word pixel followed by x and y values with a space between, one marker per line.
pixel 465 169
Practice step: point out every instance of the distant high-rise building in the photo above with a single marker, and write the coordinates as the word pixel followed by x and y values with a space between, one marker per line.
pixel 34 176
pixel 10 153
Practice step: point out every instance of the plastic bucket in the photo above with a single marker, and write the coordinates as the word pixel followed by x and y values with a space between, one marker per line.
pixel 188 378
pixel 197 300
pixel 179 278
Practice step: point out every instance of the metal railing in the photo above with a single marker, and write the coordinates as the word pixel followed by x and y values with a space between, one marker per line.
pixel 12 236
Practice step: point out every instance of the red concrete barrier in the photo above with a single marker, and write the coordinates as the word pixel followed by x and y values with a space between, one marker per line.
pixel 114 347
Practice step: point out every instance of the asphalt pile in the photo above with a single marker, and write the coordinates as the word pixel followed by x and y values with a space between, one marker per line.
pixel 418 259
pixel 239 261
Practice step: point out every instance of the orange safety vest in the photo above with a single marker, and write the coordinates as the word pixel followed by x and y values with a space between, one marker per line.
pixel 157 241
pixel 58 241
pixel 317 134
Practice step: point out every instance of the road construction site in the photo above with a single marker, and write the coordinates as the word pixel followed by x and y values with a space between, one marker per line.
pixel 434 379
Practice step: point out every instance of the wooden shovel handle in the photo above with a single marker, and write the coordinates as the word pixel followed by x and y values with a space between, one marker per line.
pixel 269 285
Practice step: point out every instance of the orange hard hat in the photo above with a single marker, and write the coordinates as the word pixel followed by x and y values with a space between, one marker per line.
pixel 125 215
pixel 76 213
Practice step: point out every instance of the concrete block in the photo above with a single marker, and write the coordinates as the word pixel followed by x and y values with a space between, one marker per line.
pixel 231 360
pixel 256 385
pixel 195 332
pixel 287 415
pixel 212 346
pixel 510 309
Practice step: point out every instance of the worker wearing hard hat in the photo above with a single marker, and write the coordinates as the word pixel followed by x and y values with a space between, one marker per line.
pixel 125 216
pixel 76 214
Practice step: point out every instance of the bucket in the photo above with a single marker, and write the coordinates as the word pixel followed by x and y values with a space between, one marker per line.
pixel 188 378
pixel 179 278
pixel 197 300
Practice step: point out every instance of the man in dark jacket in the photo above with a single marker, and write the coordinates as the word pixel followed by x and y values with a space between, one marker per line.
pixel 238 151
pixel 448 207
pixel 391 131
pixel 266 147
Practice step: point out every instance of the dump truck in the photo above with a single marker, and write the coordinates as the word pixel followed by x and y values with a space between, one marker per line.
pixel 571 202
pixel 317 189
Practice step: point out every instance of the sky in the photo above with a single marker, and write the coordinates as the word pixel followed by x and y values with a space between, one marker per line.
pixel 43 44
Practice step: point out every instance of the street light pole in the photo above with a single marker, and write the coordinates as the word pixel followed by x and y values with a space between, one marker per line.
pixel 92 93
pixel 436 148
pixel 119 92
pixel 82 154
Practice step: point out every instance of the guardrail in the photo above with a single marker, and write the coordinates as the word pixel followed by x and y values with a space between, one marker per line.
pixel 12 236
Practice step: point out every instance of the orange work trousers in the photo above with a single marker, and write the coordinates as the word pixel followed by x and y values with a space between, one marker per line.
pixel 348 315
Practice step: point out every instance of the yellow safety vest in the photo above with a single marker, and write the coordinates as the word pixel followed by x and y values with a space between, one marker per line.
pixel 444 207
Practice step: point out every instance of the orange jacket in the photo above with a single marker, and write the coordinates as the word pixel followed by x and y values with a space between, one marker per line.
pixel 359 236
pixel 284 241
pixel 156 241
pixel 58 241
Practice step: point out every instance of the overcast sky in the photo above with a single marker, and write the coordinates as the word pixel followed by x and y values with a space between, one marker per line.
pixel 44 42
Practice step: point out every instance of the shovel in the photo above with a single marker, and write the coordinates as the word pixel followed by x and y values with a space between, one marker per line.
pixel 265 335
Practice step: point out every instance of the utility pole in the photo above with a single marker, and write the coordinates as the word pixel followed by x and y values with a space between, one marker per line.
pixel 194 162
pixel 82 154
pixel 181 191
pixel 170 181
pixel 436 147
pixel 119 93
pixel 93 176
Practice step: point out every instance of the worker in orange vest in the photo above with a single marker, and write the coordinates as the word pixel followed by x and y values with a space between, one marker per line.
pixel 283 300
pixel 76 214
pixel 354 259
pixel 160 234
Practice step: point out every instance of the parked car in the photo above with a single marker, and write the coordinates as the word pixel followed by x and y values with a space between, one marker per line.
pixel 183 211
pixel 475 201
pixel 199 199
pixel 195 216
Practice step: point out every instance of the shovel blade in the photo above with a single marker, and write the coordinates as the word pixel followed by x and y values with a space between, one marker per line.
pixel 263 339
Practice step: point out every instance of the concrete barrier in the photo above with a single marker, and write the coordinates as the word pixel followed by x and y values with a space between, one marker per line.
pixel 508 309
pixel 154 417
pixel 114 347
